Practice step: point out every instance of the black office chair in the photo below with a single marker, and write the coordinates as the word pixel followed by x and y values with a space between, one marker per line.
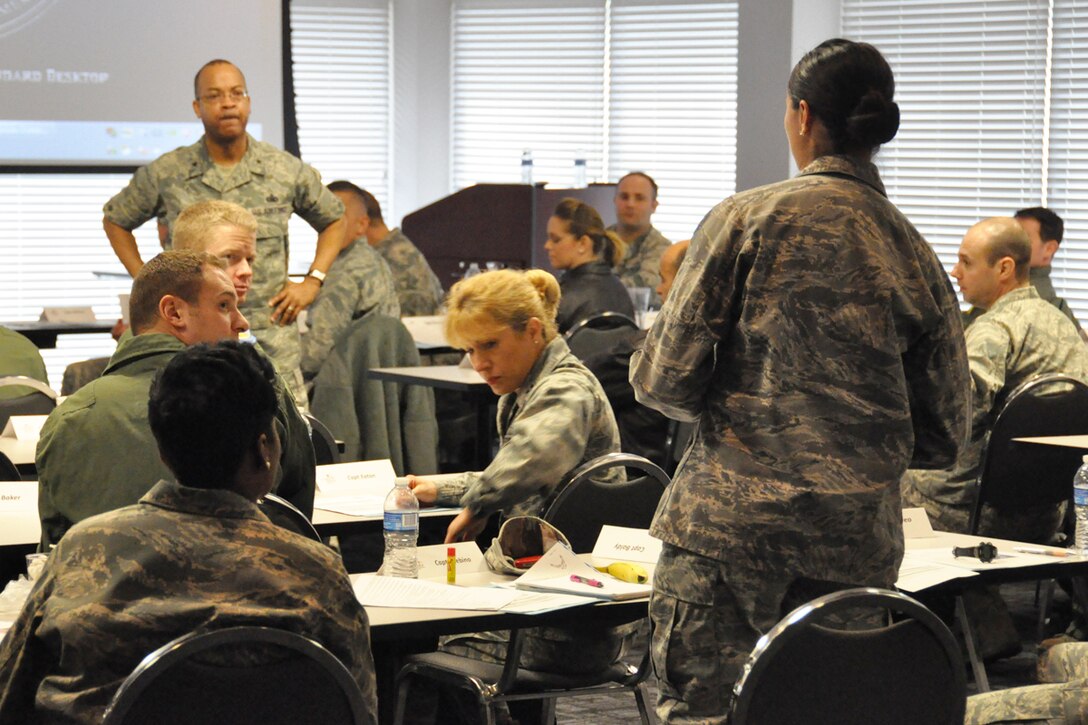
pixel 284 513
pixel 599 333
pixel 81 372
pixel 326 448
pixel 38 399
pixel 1016 475
pixel 583 506
pixel 8 471
pixel 586 502
pixel 805 671
pixel 293 680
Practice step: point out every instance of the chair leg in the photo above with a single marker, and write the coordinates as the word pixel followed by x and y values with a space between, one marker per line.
pixel 402 701
pixel 644 713
pixel 979 670
pixel 547 711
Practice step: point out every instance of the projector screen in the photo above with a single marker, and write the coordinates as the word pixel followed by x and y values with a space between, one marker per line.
pixel 108 84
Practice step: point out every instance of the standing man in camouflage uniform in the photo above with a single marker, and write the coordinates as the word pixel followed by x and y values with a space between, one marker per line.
pixel 359 283
pixel 815 340
pixel 418 288
pixel 1019 337
pixel 227 163
pixel 636 201
pixel 195 554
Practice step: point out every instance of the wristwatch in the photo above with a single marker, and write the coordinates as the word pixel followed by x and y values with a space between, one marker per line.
pixel 318 275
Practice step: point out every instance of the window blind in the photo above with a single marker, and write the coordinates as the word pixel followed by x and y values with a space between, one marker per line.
pixel 970 87
pixel 644 85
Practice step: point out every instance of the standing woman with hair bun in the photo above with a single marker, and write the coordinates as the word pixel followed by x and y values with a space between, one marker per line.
pixel 815 339
pixel 578 243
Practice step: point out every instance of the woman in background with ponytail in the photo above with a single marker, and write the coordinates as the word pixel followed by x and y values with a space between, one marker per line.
pixel 578 243
pixel 814 337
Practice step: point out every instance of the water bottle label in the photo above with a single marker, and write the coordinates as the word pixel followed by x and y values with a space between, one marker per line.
pixel 1080 496
pixel 401 521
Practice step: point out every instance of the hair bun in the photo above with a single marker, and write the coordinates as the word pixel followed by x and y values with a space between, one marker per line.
pixel 875 119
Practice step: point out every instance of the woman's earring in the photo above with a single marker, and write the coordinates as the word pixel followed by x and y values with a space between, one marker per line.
pixel 268 464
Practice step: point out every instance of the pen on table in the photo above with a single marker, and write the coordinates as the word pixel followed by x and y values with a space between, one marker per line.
pixel 451 565
pixel 1060 553
pixel 585 580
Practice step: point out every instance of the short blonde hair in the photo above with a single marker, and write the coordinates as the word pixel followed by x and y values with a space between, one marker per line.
pixel 196 220
pixel 486 303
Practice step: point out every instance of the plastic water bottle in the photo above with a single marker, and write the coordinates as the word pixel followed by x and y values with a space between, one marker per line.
pixel 401 525
pixel 526 166
pixel 580 170
pixel 1080 503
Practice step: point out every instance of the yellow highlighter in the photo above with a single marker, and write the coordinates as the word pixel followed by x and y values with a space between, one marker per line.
pixel 451 565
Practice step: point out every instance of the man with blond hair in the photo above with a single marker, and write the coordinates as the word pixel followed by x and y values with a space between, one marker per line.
pixel 225 230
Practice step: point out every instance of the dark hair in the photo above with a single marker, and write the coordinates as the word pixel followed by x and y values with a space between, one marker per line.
pixel 209 64
pixel 584 221
pixel 643 174
pixel 207 408
pixel 1051 226
pixel 178 272
pixel 373 208
pixel 849 87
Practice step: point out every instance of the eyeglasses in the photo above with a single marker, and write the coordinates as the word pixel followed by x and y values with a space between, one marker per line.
pixel 216 97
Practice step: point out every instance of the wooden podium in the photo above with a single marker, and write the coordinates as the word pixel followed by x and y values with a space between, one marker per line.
pixel 501 223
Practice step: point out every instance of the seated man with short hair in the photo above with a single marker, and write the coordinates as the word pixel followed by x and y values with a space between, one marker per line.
pixel 193 555
pixel 96 451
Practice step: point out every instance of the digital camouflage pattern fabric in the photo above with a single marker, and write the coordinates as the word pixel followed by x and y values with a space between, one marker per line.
pixel 1020 337
pixel 1062 700
pixel 123 584
pixel 270 183
pixel 418 287
pixel 358 282
pixel 815 339
pixel 1040 280
pixel 642 263
pixel 96 452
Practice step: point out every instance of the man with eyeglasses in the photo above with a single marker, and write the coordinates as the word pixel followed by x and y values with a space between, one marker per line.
pixel 229 164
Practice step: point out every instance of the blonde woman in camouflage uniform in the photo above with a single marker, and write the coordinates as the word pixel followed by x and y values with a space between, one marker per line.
pixel 553 416
pixel 815 339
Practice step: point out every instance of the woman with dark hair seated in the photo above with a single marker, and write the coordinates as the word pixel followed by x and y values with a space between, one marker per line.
pixel 578 243
pixel 193 554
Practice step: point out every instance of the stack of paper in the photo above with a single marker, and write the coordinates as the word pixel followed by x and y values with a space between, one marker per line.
pixel 562 571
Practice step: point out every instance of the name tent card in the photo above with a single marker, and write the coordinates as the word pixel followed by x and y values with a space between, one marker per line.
pixel 356 489
pixel 19 497
pixel 620 542
pixel 24 427
pixel 68 315
pixel 916 524
pixel 432 560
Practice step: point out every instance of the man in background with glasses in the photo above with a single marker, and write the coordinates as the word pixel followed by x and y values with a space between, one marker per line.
pixel 229 164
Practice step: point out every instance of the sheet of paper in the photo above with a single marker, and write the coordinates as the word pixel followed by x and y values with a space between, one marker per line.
pixel 530 602
pixel 1006 558
pixel 384 591
pixel 918 574
pixel 916 524
pixel 625 544
pixel 428 329
pixel 553 574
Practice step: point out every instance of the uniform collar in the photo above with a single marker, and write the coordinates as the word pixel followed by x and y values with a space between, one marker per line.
pixel 138 347
pixel 550 357
pixel 215 502
pixel 1017 295
pixel 252 161
pixel 846 166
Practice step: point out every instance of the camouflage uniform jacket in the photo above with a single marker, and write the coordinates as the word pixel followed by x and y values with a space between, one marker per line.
pixel 123 584
pixel 556 421
pixel 641 265
pixel 1020 337
pixel 19 356
pixel 815 338
pixel 359 282
pixel 1040 280
pixel 96 452
pixel 418 287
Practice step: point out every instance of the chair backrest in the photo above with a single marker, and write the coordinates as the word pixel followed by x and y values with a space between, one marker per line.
pixel 8 471
pixel 286 514
pixel 676 443
pixel 81 372
pixel 599 333
pixel 910 671
pixel 586 503
pixel 1014 474
pixel 241 674
pixel 326 450
pixel 40 400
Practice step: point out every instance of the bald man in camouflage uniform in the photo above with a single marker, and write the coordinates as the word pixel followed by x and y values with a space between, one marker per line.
pixel 1062 699
pixel 227 163
pixel 818 365
pixel 359 283
pixel 1019 337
